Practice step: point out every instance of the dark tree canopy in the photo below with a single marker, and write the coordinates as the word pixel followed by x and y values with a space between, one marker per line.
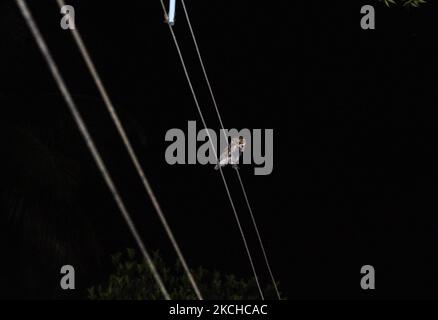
pixel 132 280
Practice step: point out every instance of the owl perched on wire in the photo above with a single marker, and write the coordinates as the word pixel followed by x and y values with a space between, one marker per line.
pixel 232 153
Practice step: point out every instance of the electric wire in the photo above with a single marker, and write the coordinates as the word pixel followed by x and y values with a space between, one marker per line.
pixel 226 139
pixel 88 139
pixel 132 154
pixel 214 150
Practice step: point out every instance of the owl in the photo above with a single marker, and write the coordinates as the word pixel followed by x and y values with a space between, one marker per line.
pixel 232 153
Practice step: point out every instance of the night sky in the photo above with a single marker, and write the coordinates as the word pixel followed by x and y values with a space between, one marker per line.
pixel 354 115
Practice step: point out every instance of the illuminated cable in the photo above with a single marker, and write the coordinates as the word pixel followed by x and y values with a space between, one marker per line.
pixel 88 139
pixel 122 132
pixel 226 139
pixel 214 151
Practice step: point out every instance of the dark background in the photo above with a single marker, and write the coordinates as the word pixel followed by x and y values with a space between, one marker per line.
pixel 354 118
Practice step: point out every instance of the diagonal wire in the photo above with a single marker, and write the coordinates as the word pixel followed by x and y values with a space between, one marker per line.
pixel 88 139
pixel 222 125
pixel 214 151
pixel 110 108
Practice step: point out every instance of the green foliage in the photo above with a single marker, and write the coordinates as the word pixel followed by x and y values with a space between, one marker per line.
pixel 132 280
pixel 411 3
